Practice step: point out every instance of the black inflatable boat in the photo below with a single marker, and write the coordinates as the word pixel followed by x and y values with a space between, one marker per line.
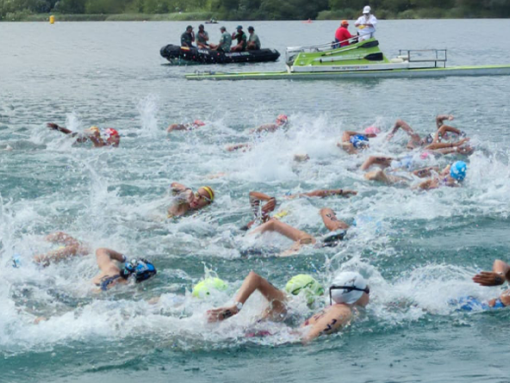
pixel 185 56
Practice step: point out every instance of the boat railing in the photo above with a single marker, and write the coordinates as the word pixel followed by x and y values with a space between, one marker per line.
pixel 292 52
pixel 436 56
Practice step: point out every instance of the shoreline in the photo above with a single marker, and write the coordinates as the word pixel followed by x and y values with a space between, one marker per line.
pixel 204 16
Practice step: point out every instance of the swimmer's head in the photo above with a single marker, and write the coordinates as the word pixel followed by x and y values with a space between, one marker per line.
pixel 112 137
pixel 372 130
pixel 359 141
pixel 305 284
pixel 198 123
pixel 424 155
pixel 141 269
pixel 203 288
pixel 282 119
pixel 203 197
pixel 349 287
pixel 458 170
pixel 94 130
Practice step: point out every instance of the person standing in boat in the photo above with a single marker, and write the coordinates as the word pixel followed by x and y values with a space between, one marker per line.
pixel 225 42
pixel 342 34
pixel 202 37
pixel 253 40
pixel 188 37
pixel 240 36
pixel 366 24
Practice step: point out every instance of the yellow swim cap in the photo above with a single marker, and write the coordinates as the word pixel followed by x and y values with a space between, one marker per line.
pixel 203 288
pixel 209 191
pixel 93 129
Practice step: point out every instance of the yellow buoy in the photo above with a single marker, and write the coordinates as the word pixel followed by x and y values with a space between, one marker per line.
pixel 52 19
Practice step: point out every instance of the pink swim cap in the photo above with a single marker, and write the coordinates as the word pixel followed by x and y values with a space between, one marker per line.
pixel 198 123
pixel 372 130
pixel 424 155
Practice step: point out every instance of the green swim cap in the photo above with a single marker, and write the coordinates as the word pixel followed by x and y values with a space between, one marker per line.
pixel 203 288
pixel 304 283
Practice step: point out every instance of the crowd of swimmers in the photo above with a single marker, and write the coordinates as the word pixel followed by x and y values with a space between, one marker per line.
pixel 241 41
pixel 348 290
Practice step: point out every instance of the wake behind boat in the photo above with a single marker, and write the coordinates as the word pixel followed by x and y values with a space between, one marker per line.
pixel 359 60
pixel 178 55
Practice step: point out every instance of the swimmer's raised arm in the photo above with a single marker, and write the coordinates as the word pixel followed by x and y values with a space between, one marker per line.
pixel 105 260
pixel 441 118
pixel 401 124
pixel 442 145
pixel 53 126
pixel 326 193
pixel 252 282
pixel 500 273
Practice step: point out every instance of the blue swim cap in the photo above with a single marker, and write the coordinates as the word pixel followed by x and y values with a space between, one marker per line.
pixel 358 141
pixel 458 170
pixel 142 269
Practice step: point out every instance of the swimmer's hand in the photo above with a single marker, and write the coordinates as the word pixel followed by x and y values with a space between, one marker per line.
pixel 489 278
pixel 347 193
pixel 218 315
pixel 52 126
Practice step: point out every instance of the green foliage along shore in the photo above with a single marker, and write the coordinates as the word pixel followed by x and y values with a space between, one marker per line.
pixel 117 10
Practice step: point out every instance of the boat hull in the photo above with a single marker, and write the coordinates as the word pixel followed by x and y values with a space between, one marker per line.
pixel 178 55
pixel 488 70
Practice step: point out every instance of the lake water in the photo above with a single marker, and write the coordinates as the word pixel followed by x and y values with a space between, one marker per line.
pixel 417 250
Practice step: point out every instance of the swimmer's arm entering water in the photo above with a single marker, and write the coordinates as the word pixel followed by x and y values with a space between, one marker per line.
pixel 327 322
pixel 500 273
pixel 441 118
pixel 252 282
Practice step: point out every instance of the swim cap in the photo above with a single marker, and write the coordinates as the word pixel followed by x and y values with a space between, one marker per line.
pixel 209 191
pixel 203 288
pixel 304 283
pixel 282 118
pixel 347 287
pixel 372 130
pixel 198 123
pixel 333 237
pixel 344 22
pixel 142 269
pixel 424 155
pixel 93 129
pixel 458 170
pixel 111 132
pixel 358 141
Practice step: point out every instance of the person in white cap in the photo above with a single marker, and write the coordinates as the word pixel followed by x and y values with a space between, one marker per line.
pixel 366 24
pixel 348 289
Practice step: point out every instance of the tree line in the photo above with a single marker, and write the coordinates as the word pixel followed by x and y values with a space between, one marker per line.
pixel 265 9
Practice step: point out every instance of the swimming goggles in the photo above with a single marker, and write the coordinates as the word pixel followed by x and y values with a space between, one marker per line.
pixel 198 196
pixel 347 289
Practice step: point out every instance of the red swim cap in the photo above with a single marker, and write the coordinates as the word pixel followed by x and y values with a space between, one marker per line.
pixel 111 132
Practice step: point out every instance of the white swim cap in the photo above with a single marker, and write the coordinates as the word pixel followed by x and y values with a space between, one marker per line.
pixel 367 9
pixel 347 287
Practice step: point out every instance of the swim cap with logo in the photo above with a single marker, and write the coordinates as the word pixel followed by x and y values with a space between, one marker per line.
pixel 458 170
pixel 203 288
pixel 142 269
pixel 304 283
pixel 347 287
pixel 358 141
